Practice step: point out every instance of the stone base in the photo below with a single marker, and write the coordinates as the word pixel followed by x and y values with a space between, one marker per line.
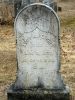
pixel 38 94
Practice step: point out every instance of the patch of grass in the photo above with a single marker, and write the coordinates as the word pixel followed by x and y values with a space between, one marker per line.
pixel 68 21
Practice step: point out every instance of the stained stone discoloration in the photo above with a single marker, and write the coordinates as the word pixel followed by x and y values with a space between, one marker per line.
pixel 37 1
pixel 38 51
pixel 19 4
pixel 39 94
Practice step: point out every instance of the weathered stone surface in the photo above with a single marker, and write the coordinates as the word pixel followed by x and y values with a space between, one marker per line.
pixel 38 51
pixel 37 1
pixel 18 4
pixel 50 3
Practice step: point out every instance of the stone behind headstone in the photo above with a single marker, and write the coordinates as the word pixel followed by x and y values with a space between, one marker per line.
pixel 19 4
pixel 38 56
pixel 37 1
pixel 50 3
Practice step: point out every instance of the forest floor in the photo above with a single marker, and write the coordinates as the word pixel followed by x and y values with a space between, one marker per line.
pixel 67 37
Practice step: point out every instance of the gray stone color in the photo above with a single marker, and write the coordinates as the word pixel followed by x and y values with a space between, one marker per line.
pixel 38 51
pixel 38 55
pixel 19 4
pixel 25 2
pixel 36 1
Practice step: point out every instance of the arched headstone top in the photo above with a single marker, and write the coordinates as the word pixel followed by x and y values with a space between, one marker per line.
pixel 37 5
pixel 19 4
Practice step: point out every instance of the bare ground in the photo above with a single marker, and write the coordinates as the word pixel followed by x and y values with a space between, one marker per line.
pixel 67 34
pixel 7 59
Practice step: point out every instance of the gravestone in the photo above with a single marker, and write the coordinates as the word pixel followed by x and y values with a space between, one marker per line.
pixel 38 55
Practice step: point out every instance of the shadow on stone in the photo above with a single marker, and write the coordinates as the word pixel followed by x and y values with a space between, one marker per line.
pixel 38 94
